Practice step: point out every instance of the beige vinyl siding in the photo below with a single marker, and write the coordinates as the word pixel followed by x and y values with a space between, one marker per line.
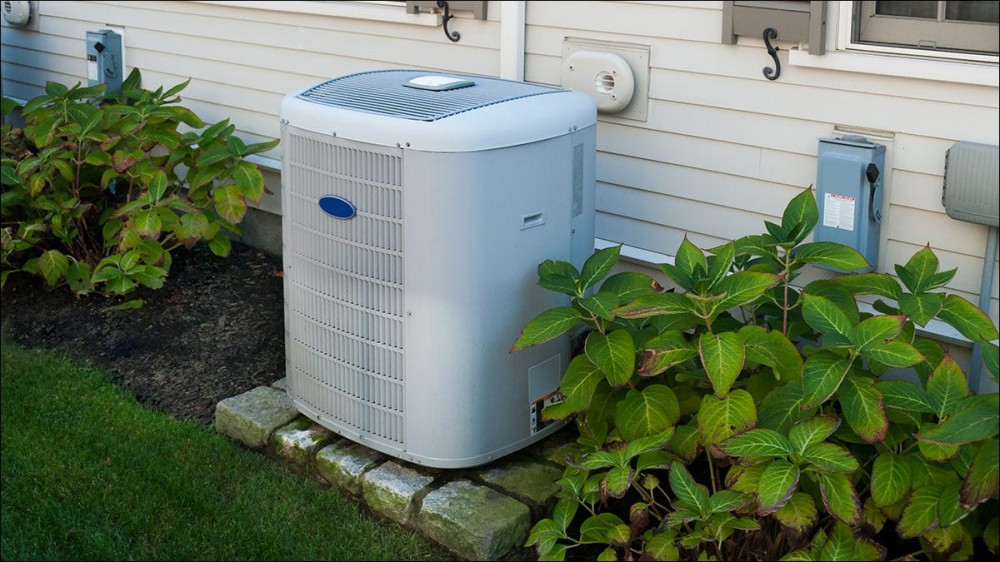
pixel 723 149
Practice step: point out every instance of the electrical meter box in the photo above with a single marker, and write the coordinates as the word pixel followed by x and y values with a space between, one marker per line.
pixel 104 60
pixel 849 194
pixel 971 188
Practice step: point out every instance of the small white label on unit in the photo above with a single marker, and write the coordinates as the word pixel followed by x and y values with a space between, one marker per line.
pixel 838 211
pixel 91 70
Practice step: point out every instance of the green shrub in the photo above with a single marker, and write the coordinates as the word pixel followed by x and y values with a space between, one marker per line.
pixel 738 417
pixel 97 190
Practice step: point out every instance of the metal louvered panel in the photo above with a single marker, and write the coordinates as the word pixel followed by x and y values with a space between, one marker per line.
pixel 345 285
pixel 383 93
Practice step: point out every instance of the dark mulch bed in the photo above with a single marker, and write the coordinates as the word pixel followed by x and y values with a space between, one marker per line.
pixel 215 330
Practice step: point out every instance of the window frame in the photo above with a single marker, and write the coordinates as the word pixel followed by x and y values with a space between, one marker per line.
pixel 962 38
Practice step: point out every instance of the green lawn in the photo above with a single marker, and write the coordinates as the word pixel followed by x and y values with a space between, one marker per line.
pixel 89 474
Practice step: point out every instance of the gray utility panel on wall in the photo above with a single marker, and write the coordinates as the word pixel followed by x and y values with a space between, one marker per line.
pixel 416 209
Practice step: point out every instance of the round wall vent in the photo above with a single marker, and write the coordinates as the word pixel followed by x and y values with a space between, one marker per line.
pixel 17 13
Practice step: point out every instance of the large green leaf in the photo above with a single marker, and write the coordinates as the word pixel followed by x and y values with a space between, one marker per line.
pixel 876 330
pixel 921 513
pixel 192 227
pixel 53 264
pixel 777 484
pixel 772 348
pixel 546 326
pixel 976 418
pixel 799 514
pixel 662 353
pixel 821 377
pixel 720 419
pixel 578 383
pixel 870 284
pixel 744 287
pixel 597 528
pixel 782 407
pixel 660 547
pixel 723 358
pixel 148 224
pixel 949 510
pixel 991 358
pixel 840 546
pixel 598 266
pixel 800 216
pixel 863 408
pixel 728 500
pixel 811 431
pixel 229 203
pixel 894 354
pixel 905 395
pixel 983 479
pixel 687 490
pixel 824 316
pixel 757 443
pixel 599 304
pixel 967 319
pixel 613 353
pixel 628 285
pixel 558 283
pixel 618 480
pixel 890 479
pixel 922 307
pixel 832 254
pixel 654 305
pixel 830 457
pixel 249 180
pixel 646 412
pixel 918 273
pixel 158 187
pixel 947 386
pixel 689 259
pixel 719 264
pixel 840 498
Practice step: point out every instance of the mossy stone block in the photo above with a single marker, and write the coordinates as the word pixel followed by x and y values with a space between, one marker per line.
pixel 343 464
pixel 252 417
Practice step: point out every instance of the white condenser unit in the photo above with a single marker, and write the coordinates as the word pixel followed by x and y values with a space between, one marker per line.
pixel 416 208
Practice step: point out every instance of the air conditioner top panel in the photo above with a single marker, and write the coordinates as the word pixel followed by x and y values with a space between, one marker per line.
pixel 437 112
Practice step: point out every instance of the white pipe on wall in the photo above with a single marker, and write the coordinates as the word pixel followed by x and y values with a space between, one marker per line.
pixel 512 40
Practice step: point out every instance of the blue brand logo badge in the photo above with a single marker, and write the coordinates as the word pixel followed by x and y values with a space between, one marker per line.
pixel 337 207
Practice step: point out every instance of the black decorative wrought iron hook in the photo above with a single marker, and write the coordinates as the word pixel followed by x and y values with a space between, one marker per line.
pixel 770 73
pixel 454 36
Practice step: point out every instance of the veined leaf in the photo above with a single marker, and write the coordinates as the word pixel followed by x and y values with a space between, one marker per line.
pixel 723 358
pixel 976 418
pixel 921 513
pixel 811 431
pixel 757 443
pixel 687 490
pixel 870 284
pixel 720 263
pixel 821 377
pixel 53 264
pixel 919 270
pixel 229 203
pixel 684 443
pixel 728 500
pixel 689 259
pixel 598 266
pixel 772 348
pixel 545 533
pixel 830 457
pixel 947 386
pixel 599 304
pixel 619 479
pixel 890 479
pixel 840 498
pixel 658 358
pixel 921 308
pixel 983 479
pixel 148 224
pixel 777 484
pixel 558 283
pixel 894 354
pixel 652 443
pixel 967 319
pixel 782 407
pixel 745 478
pixel 546 326
pixel 597 528
pixel 719 419
pixel 841 544
pixel 647 412
pixel 656 304
pixel 614 354
pixel 249 180
pixel 949 510
pixel 578 383
pixel 628 285
pixel 991 358
pixel 158 186
pixel 875 330
pixel 832 254
pixel 799 514
pixel 905 395
pixel 863 408
pixel 800 216
pixel 660 547
pixel 744 287
pixel 826 317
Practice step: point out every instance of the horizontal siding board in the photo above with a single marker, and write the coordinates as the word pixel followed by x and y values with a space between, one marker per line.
pixel 938 229
pixel 648 236
pixel 628 21
pixel 916 190
pixel 967 278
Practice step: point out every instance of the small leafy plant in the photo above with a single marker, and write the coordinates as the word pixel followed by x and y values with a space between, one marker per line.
pixel 98 189
pixel 740 417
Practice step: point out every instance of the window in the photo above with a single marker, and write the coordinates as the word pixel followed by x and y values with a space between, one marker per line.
pixel 965 27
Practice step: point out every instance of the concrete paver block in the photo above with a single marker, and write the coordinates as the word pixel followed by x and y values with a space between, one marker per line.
pixel 343 464
pixel 391 490
pixel 528 479
pixel 298 441
pixel 252 416
pixel 474 521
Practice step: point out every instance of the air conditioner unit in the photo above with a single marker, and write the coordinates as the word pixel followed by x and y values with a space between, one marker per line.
pixel 416 208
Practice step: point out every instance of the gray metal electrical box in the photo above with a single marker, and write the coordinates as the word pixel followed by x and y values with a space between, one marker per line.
pixel 971 187
pixel 849 194
pixel 104 60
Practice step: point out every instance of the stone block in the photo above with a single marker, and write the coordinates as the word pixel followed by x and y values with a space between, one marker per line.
pixel 527 479
pixel 391 490
pixel 343 464
pixel 251 417
pixel 298 441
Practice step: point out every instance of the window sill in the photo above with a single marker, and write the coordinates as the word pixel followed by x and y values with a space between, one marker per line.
pixel 961 72
pixel 355 10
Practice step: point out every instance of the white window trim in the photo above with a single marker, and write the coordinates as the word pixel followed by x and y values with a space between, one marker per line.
pixel 845 55
pixel 392 12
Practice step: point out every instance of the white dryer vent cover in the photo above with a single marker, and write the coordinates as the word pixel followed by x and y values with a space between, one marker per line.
pixel 385 93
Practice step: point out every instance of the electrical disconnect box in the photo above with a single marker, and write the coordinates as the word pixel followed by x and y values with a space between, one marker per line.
pixel 971 185
pixel 104 60
pixel 849 194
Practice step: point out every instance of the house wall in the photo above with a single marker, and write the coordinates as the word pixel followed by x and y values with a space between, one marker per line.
pixel 720 151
